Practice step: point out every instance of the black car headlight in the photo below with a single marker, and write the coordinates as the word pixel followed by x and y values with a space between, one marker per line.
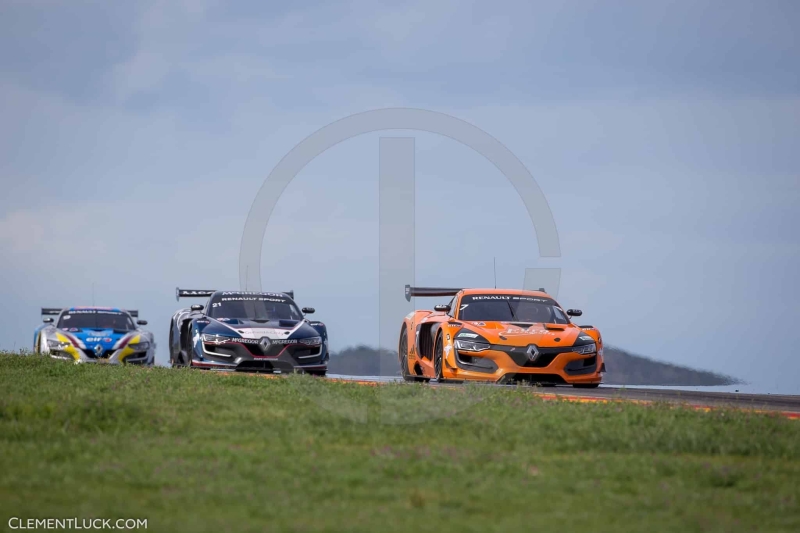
pixel 311 341
pixel 217 339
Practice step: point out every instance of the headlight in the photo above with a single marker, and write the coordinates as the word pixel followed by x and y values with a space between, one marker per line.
pixel 585 349
pixel 140 346
pixel 471 346
pixel 216 339
pixel 56 345
pixel 312 341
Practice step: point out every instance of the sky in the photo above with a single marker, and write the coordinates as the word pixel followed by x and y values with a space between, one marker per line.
pixel 664 135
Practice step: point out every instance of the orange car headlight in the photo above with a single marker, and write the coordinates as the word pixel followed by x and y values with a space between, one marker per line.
pixel 586 349
pixel 471 346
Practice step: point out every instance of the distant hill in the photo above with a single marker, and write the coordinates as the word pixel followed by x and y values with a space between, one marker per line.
pixel 623 368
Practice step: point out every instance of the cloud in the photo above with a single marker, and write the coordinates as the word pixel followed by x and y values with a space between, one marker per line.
pixel 162 30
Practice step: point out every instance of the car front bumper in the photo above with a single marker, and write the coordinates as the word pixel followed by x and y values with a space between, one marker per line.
pixel 240 359
pixel 506 366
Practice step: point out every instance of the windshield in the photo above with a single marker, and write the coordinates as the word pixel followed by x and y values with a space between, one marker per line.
pixel 260 307
pixel 511 308
pixel 93 319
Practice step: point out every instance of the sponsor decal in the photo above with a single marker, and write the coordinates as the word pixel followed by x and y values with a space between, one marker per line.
pixel 507 297
pixel 99 339
pixel 188 293
pixel 254 293
pixel 94 312
pixel 240 340
pixel 255 299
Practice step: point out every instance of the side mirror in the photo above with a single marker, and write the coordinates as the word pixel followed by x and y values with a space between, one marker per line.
pixel 574 312
pixel 48 320
pixel 308 310
pixel 141 322
pixel 196 307
pixel 442 308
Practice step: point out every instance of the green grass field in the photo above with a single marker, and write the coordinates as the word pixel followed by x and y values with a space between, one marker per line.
pixel 194 451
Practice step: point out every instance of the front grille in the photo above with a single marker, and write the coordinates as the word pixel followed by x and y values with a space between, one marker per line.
pixel 582 366
pixel 103 355
pixel 273 350
pixel 302 353
pixel 246 351
pixel 475 363
pixel 519 354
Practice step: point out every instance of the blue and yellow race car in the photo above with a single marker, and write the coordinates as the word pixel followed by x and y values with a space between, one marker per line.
pixel 95 335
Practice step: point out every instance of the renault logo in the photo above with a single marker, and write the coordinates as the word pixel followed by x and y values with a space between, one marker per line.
pixel 265 343
pixel 98 350
pixel 532 352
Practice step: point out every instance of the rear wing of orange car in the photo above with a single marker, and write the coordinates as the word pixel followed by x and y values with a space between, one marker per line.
pixel 429 292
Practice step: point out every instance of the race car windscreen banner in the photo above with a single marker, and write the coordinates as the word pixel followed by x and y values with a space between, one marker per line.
pixel 511 308
pixel 94 319
pixel 254 306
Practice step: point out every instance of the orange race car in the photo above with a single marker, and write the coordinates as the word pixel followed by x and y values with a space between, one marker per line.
pixel 499 335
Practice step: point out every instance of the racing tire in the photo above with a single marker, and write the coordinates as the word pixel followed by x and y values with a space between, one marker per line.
pixel 438 359
pixel 402 354
pixel 585 385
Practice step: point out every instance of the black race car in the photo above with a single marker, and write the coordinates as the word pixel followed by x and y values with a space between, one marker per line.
pixel 247 331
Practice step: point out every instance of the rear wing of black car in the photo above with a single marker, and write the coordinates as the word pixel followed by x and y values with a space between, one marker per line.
pixel 192 293
pixel 429 292
pixel 202 293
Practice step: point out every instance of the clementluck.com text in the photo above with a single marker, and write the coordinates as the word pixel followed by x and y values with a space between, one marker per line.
pixel 76 523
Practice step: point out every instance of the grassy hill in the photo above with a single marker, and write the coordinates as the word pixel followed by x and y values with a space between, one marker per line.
pixel 200 451
pixel 623 368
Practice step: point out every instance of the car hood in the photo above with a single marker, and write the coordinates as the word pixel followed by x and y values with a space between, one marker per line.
pixel 107 338
pixel 250 329
pixel 522 333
